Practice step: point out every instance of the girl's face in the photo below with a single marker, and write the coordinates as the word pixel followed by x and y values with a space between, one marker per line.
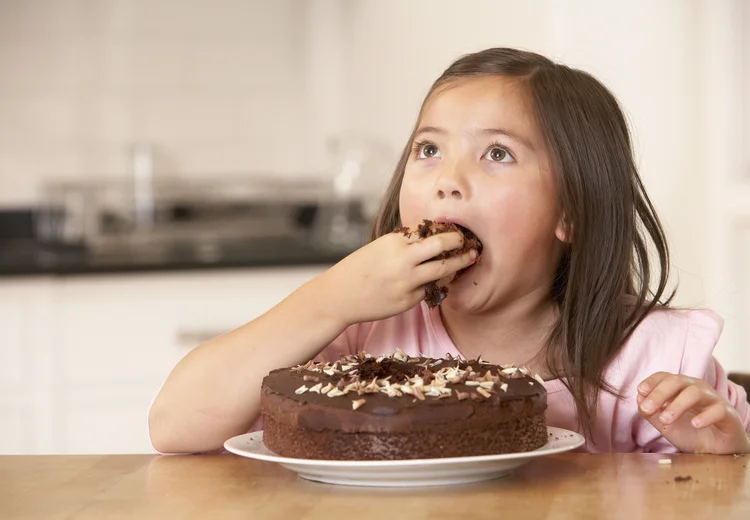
pixel 479 160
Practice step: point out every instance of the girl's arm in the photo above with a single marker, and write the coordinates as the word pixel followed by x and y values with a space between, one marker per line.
pixel 214 392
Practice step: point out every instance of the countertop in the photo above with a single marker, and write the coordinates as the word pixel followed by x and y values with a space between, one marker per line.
pixel 571 485
pixel 198 237
pixel 267 252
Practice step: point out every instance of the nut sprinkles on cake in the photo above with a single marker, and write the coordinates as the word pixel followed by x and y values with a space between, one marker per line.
pixel 402 407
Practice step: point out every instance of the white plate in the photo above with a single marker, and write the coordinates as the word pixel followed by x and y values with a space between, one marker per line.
pixel 417 472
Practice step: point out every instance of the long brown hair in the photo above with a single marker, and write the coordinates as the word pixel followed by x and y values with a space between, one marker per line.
pixel 606 283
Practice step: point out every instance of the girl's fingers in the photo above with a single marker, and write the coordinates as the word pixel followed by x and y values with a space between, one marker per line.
pixel 439 269
pixel 667 388
pixel 410 236
pixel 446 280
pixel 651 381
pixel 430 247
pixel 688 398
pixel 711 415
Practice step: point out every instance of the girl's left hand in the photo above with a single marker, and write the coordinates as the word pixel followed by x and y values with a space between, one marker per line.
pixel 691 415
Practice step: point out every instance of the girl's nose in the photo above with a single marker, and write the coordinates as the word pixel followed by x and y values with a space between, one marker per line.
pixel 452 185
pixel 456 194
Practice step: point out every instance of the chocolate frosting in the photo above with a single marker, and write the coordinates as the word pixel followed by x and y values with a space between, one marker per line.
pixel 506 390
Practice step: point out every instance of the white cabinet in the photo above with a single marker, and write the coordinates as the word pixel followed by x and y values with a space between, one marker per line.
pixel 81 358
pixel 26 364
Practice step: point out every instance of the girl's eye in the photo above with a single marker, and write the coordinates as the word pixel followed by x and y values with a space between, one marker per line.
pixel 428 151
pixel 497 154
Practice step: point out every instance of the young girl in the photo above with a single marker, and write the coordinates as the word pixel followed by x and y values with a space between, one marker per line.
pixel 535 159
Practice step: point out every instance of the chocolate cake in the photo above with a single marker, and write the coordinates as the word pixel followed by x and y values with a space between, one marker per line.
pixel 400 407
pixel 435 295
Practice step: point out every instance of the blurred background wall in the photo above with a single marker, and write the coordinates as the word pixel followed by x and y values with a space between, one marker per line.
pixel 232 88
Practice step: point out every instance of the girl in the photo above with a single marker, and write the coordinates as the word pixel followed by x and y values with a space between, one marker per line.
pixel 535 159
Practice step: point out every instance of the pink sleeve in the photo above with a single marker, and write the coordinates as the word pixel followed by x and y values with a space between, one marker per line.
pixel 346 343
pixel 694 358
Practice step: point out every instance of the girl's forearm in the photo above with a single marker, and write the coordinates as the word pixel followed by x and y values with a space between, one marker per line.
pixel 214 392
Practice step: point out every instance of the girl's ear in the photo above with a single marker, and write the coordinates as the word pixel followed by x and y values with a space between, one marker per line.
pixel 564 231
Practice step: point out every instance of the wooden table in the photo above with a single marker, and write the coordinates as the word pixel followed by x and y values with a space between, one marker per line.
pixel 573 485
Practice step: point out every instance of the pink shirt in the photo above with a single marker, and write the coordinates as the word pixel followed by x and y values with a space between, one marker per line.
pixel 679 342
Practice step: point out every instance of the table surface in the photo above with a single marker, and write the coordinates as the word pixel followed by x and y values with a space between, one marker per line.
pixel 571 485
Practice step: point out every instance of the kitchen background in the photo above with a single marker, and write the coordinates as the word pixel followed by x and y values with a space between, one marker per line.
pixel 171 169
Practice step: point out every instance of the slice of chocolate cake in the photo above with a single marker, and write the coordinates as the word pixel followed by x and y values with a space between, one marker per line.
pixel 402 407
pixel 435 295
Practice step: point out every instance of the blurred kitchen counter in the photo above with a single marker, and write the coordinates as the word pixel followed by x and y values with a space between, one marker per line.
pixel 262 253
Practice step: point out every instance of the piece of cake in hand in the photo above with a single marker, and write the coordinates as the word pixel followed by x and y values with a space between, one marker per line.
pixel 400 407
pixel 435 295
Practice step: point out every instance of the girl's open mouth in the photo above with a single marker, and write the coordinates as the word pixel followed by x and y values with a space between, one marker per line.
pixel 471 241
pixel 434 295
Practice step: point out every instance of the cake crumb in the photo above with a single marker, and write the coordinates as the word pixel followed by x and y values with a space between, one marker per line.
pixel 686 478
pixel 665 462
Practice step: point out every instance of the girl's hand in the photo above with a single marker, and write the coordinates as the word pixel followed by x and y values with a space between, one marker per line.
pixel 691 415
pixel 386 277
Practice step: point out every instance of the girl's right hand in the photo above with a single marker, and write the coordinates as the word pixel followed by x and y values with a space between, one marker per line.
pixel 387 276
